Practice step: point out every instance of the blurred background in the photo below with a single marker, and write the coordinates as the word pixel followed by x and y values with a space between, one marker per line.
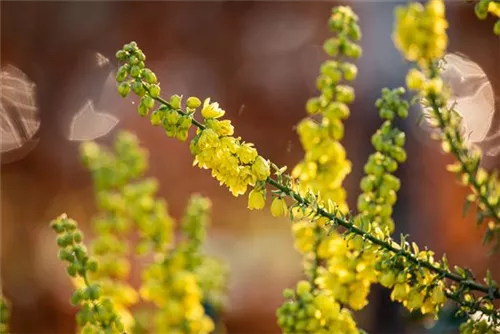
pixel 260 61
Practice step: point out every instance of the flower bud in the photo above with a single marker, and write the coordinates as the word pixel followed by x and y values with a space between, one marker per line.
pixel 256 200
pixel 175 101
pixel 193 102
pixel 279 207
pixel 154 91
pixel 124 89
pixel 149 76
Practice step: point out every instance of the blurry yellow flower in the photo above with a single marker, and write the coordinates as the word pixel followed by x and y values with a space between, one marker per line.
pixel 279 207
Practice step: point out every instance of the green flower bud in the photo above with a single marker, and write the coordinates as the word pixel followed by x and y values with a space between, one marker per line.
pixel 402 112
pixel 175 101
pixel 141 65
pixel 121 55
pixel 353 50
pixel 76 297
pixel 350 71
pixel 61 241
pixel 141 55
pixel 138 88
pixel 399 139
pixel 496 28
pixel 157 117
pixel 193 102
pixel 182 134
pixel 72 269
pixel 142 109
pixel 172 117
pixel 386 113
pixel 170 130
pixel 331 47
pixel 133 60
pixel 154 91
pixel 124 89
pixel 481 10
pixel 94 292
pixel 149 76
pixel 185 122
pixel 121 74
pixel 77 236
pixel 130 47
pixel 345 94
pixel 65 255
pixel 313 105
pixel 354 32
pixel 148 101
pixel 135 72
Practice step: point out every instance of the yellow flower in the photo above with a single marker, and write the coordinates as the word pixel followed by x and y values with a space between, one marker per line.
pixel 261 168
pixel 211 110
pixel 415 79
pixel 247 153
pixel 279 207
pixel 256 200
pixel 208 138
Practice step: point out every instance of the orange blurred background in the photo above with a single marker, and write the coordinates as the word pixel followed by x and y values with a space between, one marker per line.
pixel 259 60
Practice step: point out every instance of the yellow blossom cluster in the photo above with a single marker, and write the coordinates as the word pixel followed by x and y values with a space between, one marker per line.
pixel 233 163
pixel 123 199
pixel 308 312
pixel 173 282
pixel 325 165
pixel 420 31
pixel 322 172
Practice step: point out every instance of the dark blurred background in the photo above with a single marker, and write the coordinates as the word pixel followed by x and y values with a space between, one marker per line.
pixel 260 61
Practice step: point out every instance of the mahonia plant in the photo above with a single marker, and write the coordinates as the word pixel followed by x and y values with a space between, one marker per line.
pixel 180 281
pixel 343 254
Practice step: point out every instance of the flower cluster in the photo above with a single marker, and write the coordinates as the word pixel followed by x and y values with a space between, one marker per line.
pixel 420 32
pixel 380 186
pixel 123 199
pixel 308 312
pixel 4 315
pixel 97 314
pixel 322 171
pixel 350 268
pixel 433 93
pixel 325 165
pixel 172 282
pixel 233 163
pixel 483 7
pixel 418 289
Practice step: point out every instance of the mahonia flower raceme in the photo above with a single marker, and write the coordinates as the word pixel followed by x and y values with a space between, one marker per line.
pixel 98 313
pixel 420 31
pixel 433 93
pixel 305 312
